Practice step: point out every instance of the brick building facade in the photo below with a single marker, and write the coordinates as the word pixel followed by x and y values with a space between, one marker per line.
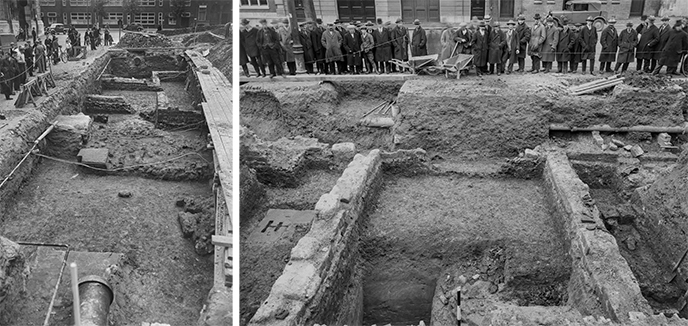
pixel 80 13
pixel 447 11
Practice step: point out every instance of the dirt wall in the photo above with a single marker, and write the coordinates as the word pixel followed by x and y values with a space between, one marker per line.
pixel 314 286
pixel 601 282
pixel 142 64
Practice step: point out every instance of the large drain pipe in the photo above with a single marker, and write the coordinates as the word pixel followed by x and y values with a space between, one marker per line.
pixel 95 296
pixel 606 128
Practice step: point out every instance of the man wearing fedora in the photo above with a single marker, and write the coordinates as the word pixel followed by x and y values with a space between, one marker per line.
pixel 588 38
pixel 479 46
pixel 497 44
pixel 383 49
pixel 563 55
pixel 663 32
pixel 676 46
pixel 401 40
pixel 523 36
pixel 537 38
pixel 549 47
pixel 646 46
pixel 418 40
pixel 269 43
pixel 609 40
pixel 248 41
pixel 628 39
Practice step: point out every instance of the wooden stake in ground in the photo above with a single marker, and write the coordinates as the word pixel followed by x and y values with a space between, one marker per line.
pixel 75 295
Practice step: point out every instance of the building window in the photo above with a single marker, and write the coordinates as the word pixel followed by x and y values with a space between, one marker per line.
pixel 145 18
pixel 111 18
pixel 186 14
pixel 160 19
pixel 79 3
pixel 264 3
pixel 202 11
pixel 64 3
pixel 147 3
pixel 535 2
pixel 47 2
pixel 81 18
pixel 114 3
pixel 160 3
pixel 52 17
pixel 550 2
pixel 64 17
pixel 172 21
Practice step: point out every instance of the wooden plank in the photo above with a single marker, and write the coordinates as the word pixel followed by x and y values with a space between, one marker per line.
pixel 222 240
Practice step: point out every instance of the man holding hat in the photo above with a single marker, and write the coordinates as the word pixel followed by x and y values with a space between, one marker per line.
pixel 563 54
pixel 352 46
pixel 332 43
pixel 269 44
pixel 511 48
pixel 479 45
pixel 497 43
pixel 628 39
pixel 609 40
pixel 588 38
pixel 248 39
pixel 537 38
pixel 401 40
pixel 318 50
pixel 663 37
pixel 549 47
pixel 523 36
pixel 367 46
pixel 676 46
pixel 418 40
pixel 383 50
pixel 646 46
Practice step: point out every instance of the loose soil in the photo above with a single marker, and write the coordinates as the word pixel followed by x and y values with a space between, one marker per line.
pixel 177 95
pixel 163 280
pixel 261 265
pixel 424 226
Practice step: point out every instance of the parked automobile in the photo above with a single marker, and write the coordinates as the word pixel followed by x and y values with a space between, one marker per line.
pixel 134 28
pixel 57 28
pixel 577 11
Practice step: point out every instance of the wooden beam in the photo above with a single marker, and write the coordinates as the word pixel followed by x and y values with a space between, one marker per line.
pixel 222 240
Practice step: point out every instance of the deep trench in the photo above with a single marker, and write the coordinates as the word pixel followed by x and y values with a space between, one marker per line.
pixel 165 275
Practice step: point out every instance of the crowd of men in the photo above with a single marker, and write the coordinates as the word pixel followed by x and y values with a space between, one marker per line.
pixel 369 48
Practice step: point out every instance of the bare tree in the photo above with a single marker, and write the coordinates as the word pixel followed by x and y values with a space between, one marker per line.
pixel 178 8
pixel 131 7
pixel 98 10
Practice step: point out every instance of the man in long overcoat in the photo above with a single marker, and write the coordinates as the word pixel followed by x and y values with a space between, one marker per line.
pixel 318 49
pixel 249 36
pixel 332 43
pixel 511 53
pixel 418 40
pixel 352 46
pixel 401 41
pixel 588 38
pixel 270 47
pixel 479 46
pixel 549 47
pixel 497 43
pixel 575 48
pixel 563 54
pixel 537 38
pixel 383 50
pixel 305 38
pixel 628 39
pixel 609 39
pixel 523 35
pixel 676 46
pixel 663 32
pixel 646 46
pixel 287 42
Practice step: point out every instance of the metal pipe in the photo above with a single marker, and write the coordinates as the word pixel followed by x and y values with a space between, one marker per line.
pixel 75 294
pixel 96 298
pixel 605 128
pixel 46 321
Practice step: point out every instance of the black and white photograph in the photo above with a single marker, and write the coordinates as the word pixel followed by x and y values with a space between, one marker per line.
pixel 482 162
pixel 116 162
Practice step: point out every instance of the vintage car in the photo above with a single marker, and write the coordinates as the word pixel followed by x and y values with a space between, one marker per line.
pixel 577 11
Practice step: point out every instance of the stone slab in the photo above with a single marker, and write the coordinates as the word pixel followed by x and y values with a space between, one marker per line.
pixel 280 224
pixel 96 157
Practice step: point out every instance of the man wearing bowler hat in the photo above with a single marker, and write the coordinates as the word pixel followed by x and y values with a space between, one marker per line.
pixel 418 40
pixel 523 35
pixel 480 45
pixel 537 38
pixel 646 46
pixel 628 39
pixel 609 40
pixel 588 38
pixel 318 50
pixel 563 54
pixel 497 43
pixel 383 49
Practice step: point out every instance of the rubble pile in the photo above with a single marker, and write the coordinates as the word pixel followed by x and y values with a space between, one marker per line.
pixel 644 80
pixel 144 40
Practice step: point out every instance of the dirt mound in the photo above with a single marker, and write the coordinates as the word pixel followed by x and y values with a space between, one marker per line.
pixel 645 80
pixel 204 37
pixel 221 57
pixel 143 40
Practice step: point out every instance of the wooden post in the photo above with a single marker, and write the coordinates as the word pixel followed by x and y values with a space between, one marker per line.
pixel 295 36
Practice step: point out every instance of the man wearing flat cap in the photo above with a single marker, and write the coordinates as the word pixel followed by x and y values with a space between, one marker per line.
pixel 664 29
pixel 537 39
pixel 248 40
pixel 523 36
pixel 367 46
pixel 269 43
pixel 628 39
pixel 563 54
pixel 588 39
pixel 549 47
pixel 462 37
pixel 418 40
pixel 383 43
pixel 676 47
pixel 509 57
pixel 609 40
pixel 401 41
pixel 646 46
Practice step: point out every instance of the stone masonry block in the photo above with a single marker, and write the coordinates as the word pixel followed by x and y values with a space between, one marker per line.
pixel 343 153
pixel 96 157
pixel 306 248
pixel 296 280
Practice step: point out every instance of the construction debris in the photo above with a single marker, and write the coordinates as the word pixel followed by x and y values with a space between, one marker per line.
pixel 144 40
pixel 597 85
pixel 106 104
pixel 637 151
